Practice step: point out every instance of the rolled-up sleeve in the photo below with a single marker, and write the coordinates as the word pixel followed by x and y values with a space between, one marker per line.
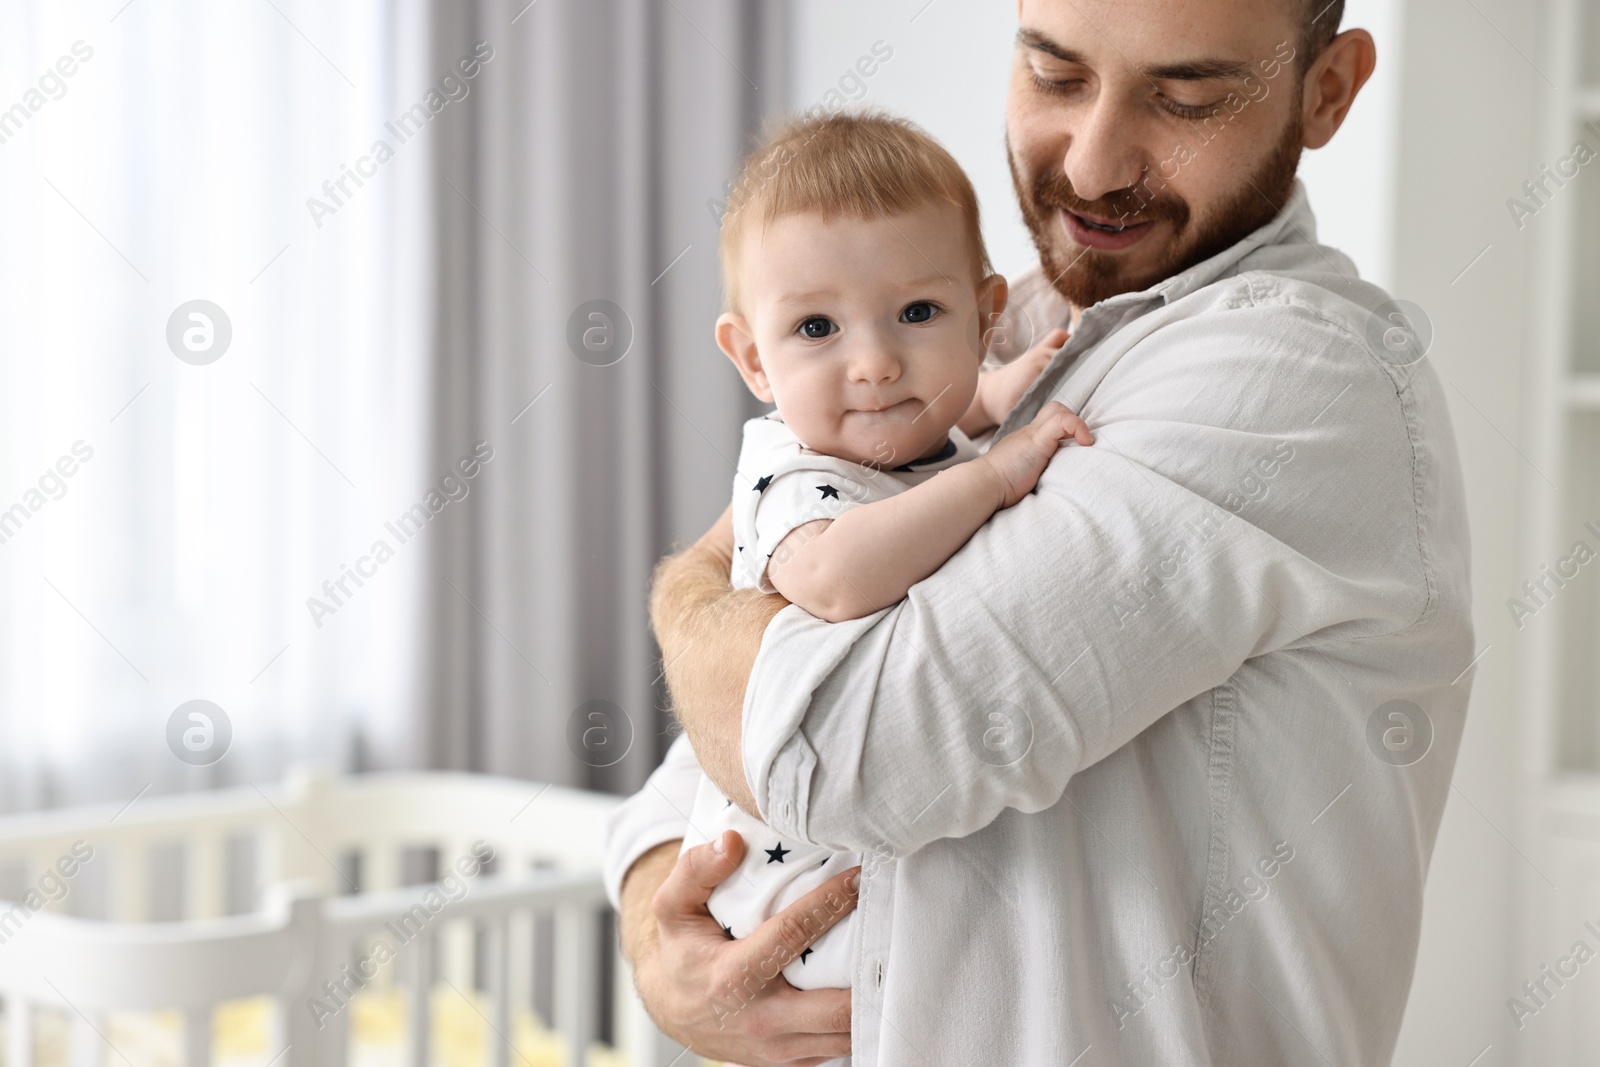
pixel 657 813
pixel 1145 570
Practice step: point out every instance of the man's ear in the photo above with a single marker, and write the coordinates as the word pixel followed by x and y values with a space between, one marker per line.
pixel 1332 83
pixel 993 293
pixel 738 343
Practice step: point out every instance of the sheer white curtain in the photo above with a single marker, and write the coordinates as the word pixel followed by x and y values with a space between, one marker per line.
pixel 157 152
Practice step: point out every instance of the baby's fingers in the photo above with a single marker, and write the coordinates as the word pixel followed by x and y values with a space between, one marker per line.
pixel 1076 428
pixel 1051 342
pixel 1061 422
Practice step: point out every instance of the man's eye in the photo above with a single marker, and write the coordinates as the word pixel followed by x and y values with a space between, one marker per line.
pixel 1192 112
pixel 921 311
pixel 1053 85
pixel 817 327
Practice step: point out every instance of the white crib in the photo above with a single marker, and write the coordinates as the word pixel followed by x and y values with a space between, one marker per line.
pixel 314 870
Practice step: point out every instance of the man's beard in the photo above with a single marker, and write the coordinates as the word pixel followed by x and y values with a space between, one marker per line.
pixel 1086 276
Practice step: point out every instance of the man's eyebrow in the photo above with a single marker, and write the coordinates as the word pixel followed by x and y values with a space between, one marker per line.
pixel 1186 70
pixel 1039 42
pixel 1199 70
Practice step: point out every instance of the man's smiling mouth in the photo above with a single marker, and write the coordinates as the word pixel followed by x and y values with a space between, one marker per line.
pixel 1103 235
pixel 1104 227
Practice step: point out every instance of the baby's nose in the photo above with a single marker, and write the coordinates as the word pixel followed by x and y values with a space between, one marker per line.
pixel 874 364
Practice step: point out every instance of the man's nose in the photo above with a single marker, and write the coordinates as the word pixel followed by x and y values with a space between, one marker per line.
pixel 1103 155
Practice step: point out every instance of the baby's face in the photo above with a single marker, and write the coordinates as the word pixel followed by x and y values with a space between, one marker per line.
pixel 864 333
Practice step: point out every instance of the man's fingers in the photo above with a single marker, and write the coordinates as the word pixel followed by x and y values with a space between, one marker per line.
pixel 814 1011
pixel 681 900
pixel 784 936
pixel 804 1024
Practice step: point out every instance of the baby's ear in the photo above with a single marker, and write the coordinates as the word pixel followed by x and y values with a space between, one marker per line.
pixel 993 293
pixel 738 343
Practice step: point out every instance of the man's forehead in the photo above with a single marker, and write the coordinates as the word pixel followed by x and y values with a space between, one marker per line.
pixel 1161 38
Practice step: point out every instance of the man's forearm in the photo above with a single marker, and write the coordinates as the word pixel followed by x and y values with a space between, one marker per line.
pixel 636 925
pixel 709 635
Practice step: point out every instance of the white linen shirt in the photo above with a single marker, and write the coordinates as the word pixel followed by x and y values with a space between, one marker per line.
pixel 1154 765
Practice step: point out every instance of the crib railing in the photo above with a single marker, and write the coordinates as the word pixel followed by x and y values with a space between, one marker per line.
pixel 514 890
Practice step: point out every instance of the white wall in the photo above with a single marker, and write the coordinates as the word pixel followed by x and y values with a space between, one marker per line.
pixel 1351 181
pixel 1467 142
pixel 964 108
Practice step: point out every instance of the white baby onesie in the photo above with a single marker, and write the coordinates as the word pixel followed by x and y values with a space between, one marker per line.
pixel 781 484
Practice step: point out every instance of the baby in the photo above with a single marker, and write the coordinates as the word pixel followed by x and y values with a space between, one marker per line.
pixel 859 293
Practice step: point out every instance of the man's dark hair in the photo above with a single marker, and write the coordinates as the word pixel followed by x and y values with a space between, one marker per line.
pixel 1320 24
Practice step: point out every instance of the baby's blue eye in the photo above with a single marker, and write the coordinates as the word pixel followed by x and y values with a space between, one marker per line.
pixel 921 311
pixel 817 327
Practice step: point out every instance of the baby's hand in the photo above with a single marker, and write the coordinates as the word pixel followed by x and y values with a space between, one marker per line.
pixel 999 390
pixel 1019 459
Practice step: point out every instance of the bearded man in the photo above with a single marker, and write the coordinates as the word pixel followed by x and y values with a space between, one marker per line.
pixel 1149 773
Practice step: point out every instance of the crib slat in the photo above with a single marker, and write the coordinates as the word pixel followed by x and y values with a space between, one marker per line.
pixel 19 1032
pixel 519 956
pixel 130 874
pixel 86 1041
pixel 197 1037
pixel 576 936
pixel 496 974
pixel 418 1020
pixel 205 877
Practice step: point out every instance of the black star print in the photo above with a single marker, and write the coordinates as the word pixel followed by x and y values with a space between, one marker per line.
pixel 824 861
pixel 775 855
pixel 741 548
pixel 804 954
pixel 761 486
pixel 729 930
pixel 828 492
pixel 727 803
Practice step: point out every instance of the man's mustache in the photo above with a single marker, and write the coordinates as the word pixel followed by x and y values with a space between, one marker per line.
pixel 1125 206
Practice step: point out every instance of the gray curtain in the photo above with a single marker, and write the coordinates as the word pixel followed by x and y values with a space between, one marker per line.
pixel 585 164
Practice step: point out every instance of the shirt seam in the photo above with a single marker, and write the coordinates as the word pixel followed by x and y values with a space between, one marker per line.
pixel 1219 772
pixel 1408 418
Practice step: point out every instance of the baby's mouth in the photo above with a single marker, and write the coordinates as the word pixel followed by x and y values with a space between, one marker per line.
pixel 887 408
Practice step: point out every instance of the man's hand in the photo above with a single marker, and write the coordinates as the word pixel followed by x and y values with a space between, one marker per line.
pixel 709 635
pixel 727 999
pixel 999 390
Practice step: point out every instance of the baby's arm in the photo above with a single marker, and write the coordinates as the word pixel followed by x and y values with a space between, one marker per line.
pixel 866 559
pixel 999 390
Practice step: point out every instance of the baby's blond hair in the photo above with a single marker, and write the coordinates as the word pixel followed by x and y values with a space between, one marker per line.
pixel 865 164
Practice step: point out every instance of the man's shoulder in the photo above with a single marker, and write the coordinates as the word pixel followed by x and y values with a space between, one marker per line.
pixel 1336 317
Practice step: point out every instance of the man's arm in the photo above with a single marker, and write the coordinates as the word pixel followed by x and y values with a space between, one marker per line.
pixel 709 635
pixel 637 928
